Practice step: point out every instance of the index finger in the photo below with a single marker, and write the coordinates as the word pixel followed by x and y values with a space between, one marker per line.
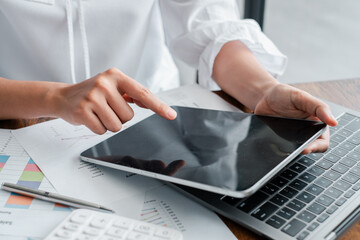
pixel 140 93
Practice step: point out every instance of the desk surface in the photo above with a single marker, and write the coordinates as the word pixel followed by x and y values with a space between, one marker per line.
pixel 342 92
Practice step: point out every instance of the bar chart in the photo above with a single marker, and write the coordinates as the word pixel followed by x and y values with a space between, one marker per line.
pixel 23 171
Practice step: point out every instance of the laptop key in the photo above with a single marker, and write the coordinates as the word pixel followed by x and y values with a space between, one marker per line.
pixel 305 197
pixel 332 157
pixel 344 132
pixel 322 217
pixel 288 174
pixel 279 181
pixel 349 193
pixel 347 117
pixel 279 200
pixel 269 189
pixel 348 162
pixel 289 192
pixel 314 189
pixel 339 152
pixel 252 202
pixel 315 156
pixel 298 168
pixel 356 187
pixel 340 168
pixel 316 171
pixel 340 202
pixel 357 134
pixel 351 178
pixel 264 211
pixel 337 138
pixel 307 177
pixel 316 208
pixel 324 164
pixel 275 221
pixel 354 125
pixel 306 216
pixel 333 192
pixel 342 185
pixel 302 235
pixel 357 149
pixel 293 227
pixel 297 184
pixel 286 213
pixel 347 145
pixel 355 170
pixel 296 205
pixel 332 175
pixel 306 161
pixel 313 226
pixel 325 200
pixel 323 182
pixel 342 122
pixel 355 140
pixel 334 129
pixel 333 144
pixel 354 155
pixel 332 209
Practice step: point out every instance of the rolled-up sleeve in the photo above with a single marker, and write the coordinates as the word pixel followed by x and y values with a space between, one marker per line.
pixel 196 30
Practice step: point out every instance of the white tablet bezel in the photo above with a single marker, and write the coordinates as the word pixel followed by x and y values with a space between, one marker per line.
pixel 238 194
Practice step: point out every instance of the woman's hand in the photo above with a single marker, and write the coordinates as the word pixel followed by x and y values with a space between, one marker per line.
pixel 239 73
pixel 101 102
pixel 286 101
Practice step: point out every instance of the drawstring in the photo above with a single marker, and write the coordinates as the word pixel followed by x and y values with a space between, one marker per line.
pixel 85 45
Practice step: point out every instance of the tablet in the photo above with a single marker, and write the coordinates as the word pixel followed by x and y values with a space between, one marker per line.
pixel 230 153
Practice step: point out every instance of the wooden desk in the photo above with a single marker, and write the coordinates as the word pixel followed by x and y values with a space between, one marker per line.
pixel 342 92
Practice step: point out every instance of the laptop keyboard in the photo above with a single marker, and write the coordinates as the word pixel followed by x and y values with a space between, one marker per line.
pixel 314 186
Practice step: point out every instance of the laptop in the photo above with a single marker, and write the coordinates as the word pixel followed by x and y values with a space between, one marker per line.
pixel 316 196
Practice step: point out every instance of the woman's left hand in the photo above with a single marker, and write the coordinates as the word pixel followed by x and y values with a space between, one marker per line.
pixel 286 101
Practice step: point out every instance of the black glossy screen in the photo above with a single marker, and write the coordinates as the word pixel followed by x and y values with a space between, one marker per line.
pixel 225 149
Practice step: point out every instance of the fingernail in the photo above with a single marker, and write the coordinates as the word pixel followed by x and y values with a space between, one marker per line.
pixel 171 114
pixel 328 112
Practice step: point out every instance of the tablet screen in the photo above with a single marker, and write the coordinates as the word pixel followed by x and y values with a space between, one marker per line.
pixel 225 150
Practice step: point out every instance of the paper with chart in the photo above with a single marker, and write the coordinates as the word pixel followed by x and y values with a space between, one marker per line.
pixel 56 145
pixel 167 207
pixel 21 215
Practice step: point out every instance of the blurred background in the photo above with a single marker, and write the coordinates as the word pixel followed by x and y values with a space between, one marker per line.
pixel 320 37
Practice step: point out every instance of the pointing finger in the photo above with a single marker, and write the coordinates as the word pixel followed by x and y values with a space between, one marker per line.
pixel 144 97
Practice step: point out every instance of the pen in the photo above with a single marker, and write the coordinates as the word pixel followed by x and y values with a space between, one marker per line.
pixel 52 197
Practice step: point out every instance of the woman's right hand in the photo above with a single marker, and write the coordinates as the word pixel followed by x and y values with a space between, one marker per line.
pixel 101 102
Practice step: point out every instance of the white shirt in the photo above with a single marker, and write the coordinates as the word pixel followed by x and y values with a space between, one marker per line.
pixel 71 40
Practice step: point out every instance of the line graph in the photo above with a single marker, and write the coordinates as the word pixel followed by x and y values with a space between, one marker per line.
pixel 160 213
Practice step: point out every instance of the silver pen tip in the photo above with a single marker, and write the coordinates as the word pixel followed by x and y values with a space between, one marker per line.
pixel 107 209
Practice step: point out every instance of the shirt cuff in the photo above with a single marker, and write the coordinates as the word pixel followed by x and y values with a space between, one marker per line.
pixel 248 32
